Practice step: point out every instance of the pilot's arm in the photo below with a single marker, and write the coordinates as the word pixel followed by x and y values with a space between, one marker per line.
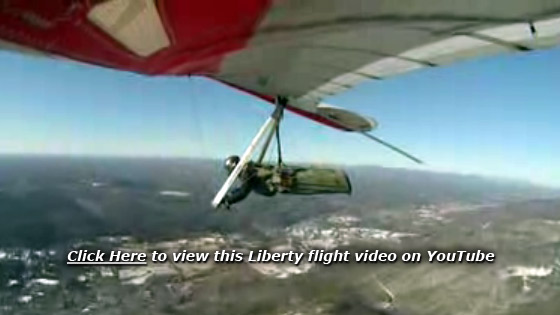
pixel 238 194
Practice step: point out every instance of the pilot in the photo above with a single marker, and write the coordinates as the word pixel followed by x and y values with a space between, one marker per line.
pixel 268 180
pixel 257 178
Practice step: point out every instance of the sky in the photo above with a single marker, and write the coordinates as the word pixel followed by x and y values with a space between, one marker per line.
pixel 495 116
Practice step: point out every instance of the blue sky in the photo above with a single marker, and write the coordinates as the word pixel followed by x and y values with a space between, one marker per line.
pixel 495 116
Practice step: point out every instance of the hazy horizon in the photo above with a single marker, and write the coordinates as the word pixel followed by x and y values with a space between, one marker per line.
pixel 217 161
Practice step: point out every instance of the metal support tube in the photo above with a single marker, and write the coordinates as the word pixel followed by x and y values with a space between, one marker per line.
pixel 267 144
pixel 266 127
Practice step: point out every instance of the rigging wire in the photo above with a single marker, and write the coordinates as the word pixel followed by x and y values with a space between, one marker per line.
pixel 206 182
pixel 278 144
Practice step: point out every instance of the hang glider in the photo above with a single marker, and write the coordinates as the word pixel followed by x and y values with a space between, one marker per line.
pixel 304 50
pixel 300 50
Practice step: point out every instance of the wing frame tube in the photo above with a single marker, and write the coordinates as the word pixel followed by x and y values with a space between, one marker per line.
pixel 245 158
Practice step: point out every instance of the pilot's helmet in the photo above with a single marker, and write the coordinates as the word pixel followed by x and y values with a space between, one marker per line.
pixel 231 162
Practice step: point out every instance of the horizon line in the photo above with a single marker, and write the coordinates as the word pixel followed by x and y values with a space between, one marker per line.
pixel 423 169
